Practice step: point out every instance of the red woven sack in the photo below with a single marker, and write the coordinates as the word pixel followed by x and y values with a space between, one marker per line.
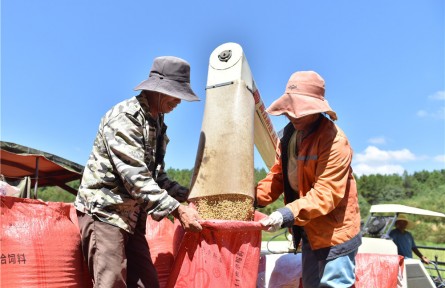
pixel 224 254
pixel 40 245
pixel 164 238
pixel 378 270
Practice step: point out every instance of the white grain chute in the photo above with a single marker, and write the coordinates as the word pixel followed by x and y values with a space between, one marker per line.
pixel 234 121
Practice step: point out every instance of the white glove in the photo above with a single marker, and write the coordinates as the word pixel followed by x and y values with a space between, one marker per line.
pixel 273 222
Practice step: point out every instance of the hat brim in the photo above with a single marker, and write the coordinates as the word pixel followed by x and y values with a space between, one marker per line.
pixel 409 224
pixel 300 105
pixel 181 90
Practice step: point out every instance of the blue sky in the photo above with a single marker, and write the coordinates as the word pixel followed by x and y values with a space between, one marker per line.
pixel 65 63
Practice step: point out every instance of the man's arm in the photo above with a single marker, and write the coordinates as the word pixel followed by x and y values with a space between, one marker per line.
pixel 123 136
pixel 423 258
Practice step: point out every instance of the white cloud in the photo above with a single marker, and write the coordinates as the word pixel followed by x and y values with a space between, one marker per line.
pixel 377 140
pixel 375 155
pixel 439 112
pixel 439 95
pixel 365 169
pixel 422 113
pixel 439 158
pixel 376 161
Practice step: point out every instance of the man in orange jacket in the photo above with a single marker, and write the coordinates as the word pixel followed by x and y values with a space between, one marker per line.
pixel 313 170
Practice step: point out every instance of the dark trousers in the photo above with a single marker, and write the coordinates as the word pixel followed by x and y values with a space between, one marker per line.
pixel 115 257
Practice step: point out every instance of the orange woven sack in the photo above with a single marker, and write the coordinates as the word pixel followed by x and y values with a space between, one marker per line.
pixel 224 254
pixel 40 245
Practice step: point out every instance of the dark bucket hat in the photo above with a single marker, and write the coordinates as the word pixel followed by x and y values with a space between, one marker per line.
pixel 170 76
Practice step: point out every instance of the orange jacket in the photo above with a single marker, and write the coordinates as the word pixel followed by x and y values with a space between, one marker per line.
pixel 328 203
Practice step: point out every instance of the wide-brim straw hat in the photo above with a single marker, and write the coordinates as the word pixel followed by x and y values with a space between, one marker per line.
pixel 304 95
pixel 170 76
pixel 402 217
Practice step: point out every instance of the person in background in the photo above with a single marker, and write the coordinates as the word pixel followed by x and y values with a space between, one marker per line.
pixel 313 170
pixel 124 180
pixel 404 240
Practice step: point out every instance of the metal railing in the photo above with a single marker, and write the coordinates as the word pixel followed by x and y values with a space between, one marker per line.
pixel 437 268
pixel 440 255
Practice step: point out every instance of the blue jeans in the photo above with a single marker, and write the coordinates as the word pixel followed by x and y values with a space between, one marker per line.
pixel 337 272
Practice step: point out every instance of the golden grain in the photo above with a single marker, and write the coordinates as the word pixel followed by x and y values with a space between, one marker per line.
pixel 225 207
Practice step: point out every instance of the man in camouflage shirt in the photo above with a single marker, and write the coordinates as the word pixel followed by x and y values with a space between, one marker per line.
pixel 124 180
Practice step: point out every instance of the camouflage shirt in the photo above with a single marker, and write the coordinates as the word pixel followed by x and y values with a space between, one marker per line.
pixel 124 177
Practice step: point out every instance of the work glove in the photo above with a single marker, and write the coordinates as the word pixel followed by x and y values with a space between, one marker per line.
pixel 272 222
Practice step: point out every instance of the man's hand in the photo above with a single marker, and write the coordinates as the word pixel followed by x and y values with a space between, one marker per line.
pixel 188 217
pixel 425 260
pixel 273 222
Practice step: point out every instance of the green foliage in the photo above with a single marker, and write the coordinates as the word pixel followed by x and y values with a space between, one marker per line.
pixel 421 189
pixel 274 206
pixel 364 207
pixel 57 194
pixel 378 188
pixel 259 174
pixel 182 176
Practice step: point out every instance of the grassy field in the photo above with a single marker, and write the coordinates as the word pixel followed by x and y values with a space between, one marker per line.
pixel 274 236
pixel 431 254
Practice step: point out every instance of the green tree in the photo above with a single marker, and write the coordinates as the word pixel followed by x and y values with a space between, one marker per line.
pixel 408 185
pixel 259 174
pixel 57 194
pixel 182 176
